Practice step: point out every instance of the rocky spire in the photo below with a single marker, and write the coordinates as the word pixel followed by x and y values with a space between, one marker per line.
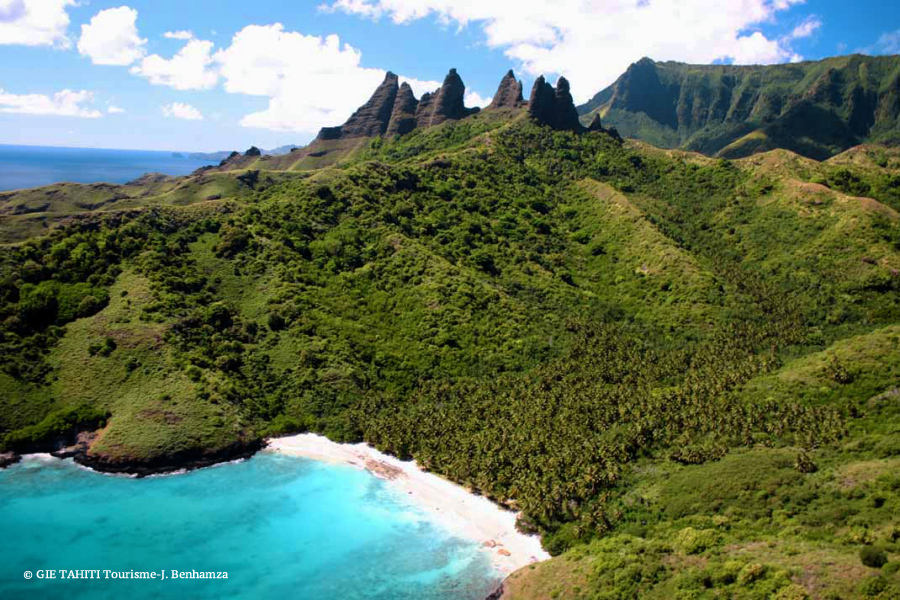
pixel 425 109
pixel 394 110
pixel 542 102
pixel 595 125
pixel 444 104
pixel 403 116
pixel 509 93
pixel 371 118
pixel 553 107
pixel 567 114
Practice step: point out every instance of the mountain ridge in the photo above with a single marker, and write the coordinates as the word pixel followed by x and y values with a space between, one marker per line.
pixel 815 108
pixel 681 371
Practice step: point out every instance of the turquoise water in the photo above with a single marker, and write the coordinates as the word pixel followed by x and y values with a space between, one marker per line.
pixel 32 166
pixel 283 528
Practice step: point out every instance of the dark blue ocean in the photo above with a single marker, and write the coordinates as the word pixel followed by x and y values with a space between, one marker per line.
pixel 282 527
pixel 33 166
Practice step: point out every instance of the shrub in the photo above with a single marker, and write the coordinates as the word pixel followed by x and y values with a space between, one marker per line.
pixel 804 463
pixel 232 241
pixel 697 454
pixel 58 423
pixel 873 586
pixel 873 557
pixel 132 364
pixel 693 541
pixel 838 372
pixel 751 573
pixel 283 424
pixel 276 322
pixel 792 592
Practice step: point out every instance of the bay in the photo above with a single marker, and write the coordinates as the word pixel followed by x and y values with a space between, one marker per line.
pixel 281 527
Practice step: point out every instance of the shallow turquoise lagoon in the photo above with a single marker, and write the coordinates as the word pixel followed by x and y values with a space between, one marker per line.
pixel 282 527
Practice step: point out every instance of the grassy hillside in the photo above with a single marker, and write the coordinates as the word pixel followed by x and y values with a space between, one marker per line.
pixel 816 109
pixel 672 365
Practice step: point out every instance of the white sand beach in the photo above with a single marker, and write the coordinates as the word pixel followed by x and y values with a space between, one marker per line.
pixel 465 514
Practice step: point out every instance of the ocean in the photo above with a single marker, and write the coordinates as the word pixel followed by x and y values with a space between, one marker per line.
pixel 33 166
pixel 280 526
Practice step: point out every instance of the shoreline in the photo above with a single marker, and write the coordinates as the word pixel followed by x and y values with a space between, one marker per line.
pixel 450 505
pixel 458 510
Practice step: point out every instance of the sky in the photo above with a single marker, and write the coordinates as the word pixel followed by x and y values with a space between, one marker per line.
pixel 206 75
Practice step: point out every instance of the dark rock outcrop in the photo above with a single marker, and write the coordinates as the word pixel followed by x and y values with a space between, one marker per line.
pixel 370 119
pixel 394 110
pixel 425 109
pixel 554 107
pixel 194 458
pixel 445 104
pixel 449 103
pixel 595 125
pixel 233 155
pixel 8 458
pixel 509 93
pixel 253 151
pixel 403 116
pixel 329 133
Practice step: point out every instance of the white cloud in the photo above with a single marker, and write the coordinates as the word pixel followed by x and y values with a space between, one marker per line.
pixel 114 110
pixel 179 35
pixel 475 99
pixel 311 81
pixel 593 42
pixel 111 38
pixel 190 69
pixel 179 110
pixel 35 22
pixel 66 103
pixel 420 87
pixel 888 43
pixel 805 29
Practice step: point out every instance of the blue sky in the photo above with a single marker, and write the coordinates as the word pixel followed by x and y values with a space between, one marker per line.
pixel 215 75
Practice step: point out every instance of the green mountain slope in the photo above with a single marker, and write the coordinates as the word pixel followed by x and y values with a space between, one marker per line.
pixel 816 109
pixel 681 370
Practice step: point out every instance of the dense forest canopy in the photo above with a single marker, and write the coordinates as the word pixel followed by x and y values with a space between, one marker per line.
pixel 683 371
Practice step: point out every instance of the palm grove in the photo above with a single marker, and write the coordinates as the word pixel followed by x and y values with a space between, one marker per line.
pixel 552 319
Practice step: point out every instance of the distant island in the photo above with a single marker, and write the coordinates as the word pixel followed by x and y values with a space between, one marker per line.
pixel 223 154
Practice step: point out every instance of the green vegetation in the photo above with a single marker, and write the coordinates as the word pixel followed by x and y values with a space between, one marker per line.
pixel 682 371
pixel 59 423
pixel 816 109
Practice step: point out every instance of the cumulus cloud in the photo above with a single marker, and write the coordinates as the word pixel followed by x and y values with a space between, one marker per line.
pixel 475 99
pixel 311 81
pixel 111 38
pixel 190 69
pixel 35 22
pixel 420 87
pixel 592 42
pixel 888 43
pixel 114 110
pixel 805 29
pixel 179 35
pixel 179 110
pixel 66 103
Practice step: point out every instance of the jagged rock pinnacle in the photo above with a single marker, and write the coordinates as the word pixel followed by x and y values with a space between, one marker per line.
pixel 403 116
pixel 509 92
pixel 553 107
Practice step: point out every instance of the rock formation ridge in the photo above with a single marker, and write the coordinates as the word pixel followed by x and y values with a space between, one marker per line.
pixel 394 110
